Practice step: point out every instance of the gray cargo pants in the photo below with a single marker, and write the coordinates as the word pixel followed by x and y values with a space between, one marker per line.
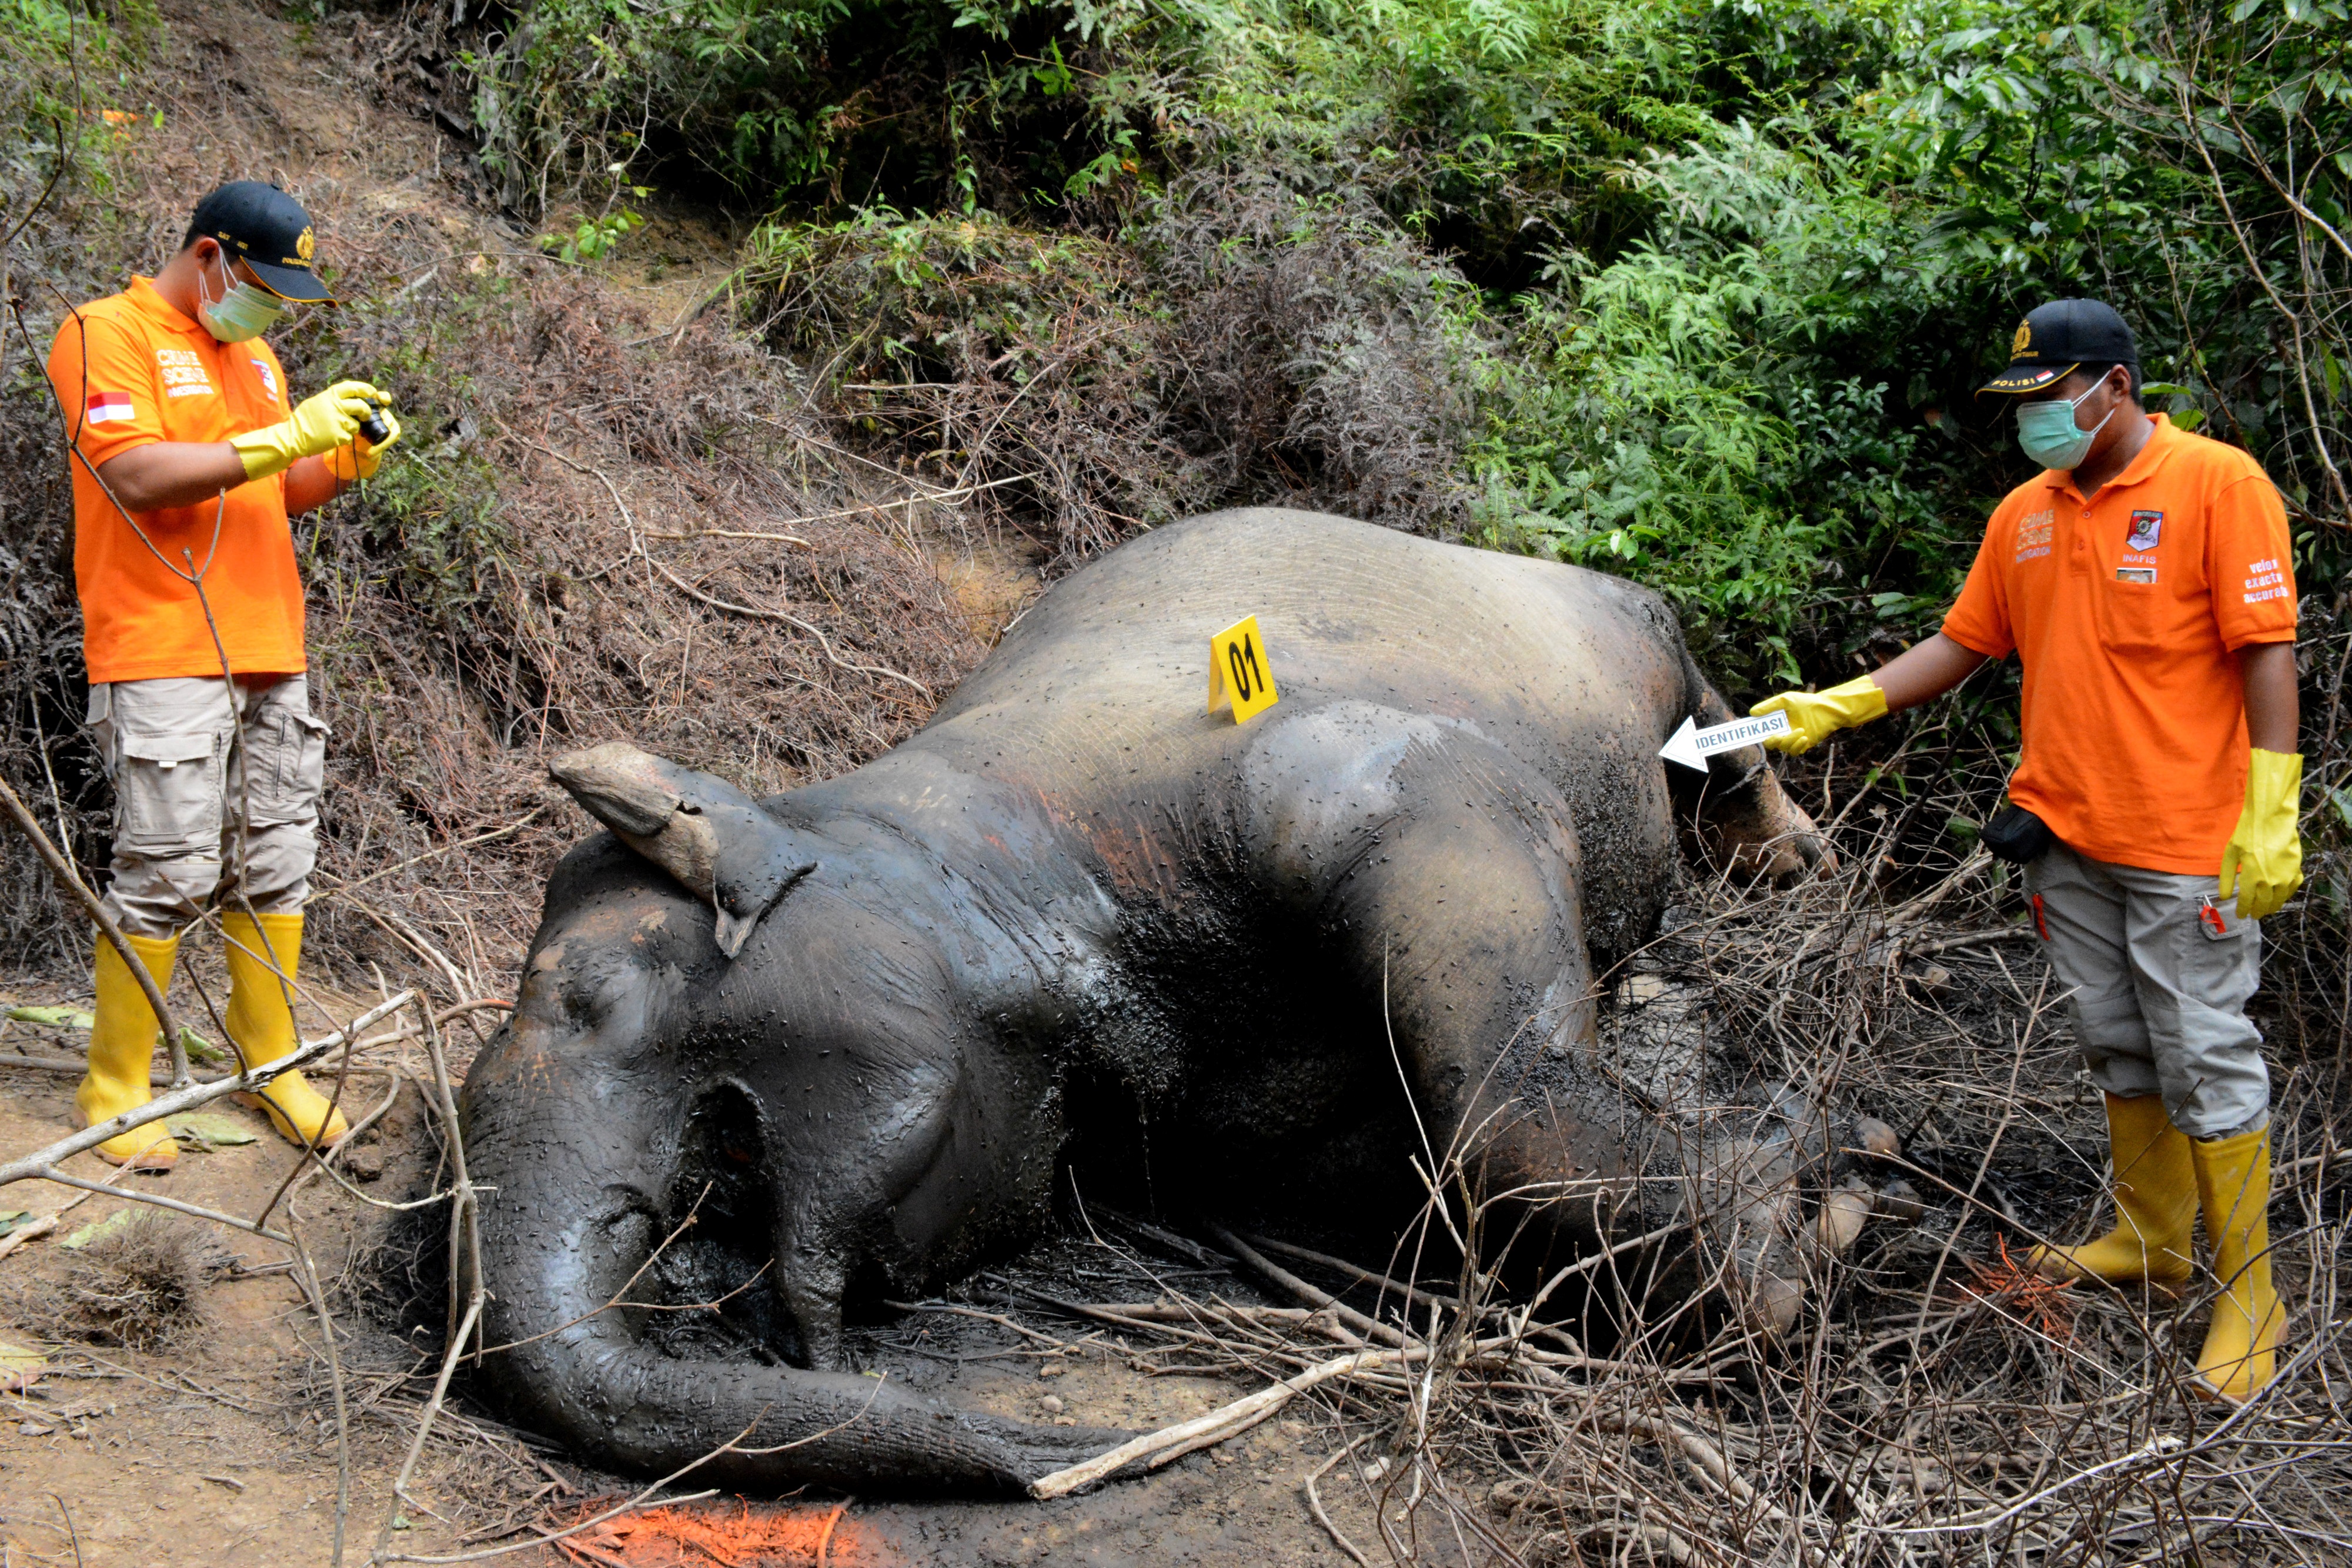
pixel 2159 968
pixel 182 789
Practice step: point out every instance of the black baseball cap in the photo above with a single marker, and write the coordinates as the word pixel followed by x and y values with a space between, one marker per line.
pixel 267 230
pixel 2056 338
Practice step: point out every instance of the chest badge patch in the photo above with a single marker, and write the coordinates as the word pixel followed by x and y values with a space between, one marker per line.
pixel 2033 533
pixel 2146 531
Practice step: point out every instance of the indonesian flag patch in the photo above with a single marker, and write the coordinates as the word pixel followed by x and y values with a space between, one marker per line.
pixel 109 407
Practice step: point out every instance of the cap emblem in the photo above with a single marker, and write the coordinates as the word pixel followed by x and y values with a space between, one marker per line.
pixel 2023 342
pixel 304 246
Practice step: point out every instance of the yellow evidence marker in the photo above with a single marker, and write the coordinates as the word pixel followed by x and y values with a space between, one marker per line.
pixel 1238 672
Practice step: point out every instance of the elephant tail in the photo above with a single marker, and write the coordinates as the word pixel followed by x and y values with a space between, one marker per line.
pixel 566 1230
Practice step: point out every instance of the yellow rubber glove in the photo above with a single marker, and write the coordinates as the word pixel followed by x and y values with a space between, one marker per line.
pixel 362 458
pixel 1815 717
pixel 317 426
pixel 2263 865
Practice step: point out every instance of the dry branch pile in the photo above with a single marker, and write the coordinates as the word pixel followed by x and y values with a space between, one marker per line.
pixel 1271 337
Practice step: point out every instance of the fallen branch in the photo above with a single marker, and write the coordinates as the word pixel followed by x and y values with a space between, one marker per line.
pixel 31 1230
pixel 932 496
pixel 1218 1425
pixel 491 837
pixel 1370 1328
pixel 42 1164
pixel 636 543
pixel 73 1066
pixel 1315 1502
pixel 1362 1276
pixel 757 614
pixel 1967 939
pixel 192 1212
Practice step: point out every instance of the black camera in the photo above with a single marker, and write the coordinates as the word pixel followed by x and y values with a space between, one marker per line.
pixel 374 428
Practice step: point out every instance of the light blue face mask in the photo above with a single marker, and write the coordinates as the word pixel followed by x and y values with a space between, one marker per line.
pixel 242 312
pixel 2046 432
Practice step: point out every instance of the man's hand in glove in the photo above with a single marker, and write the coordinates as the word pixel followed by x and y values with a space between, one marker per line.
pixel 360 459
pixel 2263 863
pixel 1815 717
pixel 317 426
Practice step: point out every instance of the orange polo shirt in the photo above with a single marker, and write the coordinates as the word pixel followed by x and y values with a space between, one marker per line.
pixel 131 369
pixel 2128 612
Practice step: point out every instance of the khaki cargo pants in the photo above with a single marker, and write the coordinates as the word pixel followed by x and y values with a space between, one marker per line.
pixel 2159 968
pixel 181 793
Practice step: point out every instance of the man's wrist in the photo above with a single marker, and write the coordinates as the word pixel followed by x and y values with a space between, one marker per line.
pixel 263 452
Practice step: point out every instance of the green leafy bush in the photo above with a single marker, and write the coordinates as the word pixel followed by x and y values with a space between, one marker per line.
pixel 1706 410
pixel 593 238
pixel 837 103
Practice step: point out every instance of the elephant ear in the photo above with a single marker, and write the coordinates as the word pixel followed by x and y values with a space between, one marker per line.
pixel 758 862
pixel 709 835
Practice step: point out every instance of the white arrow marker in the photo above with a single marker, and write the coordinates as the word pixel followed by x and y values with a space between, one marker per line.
pixel 1690 745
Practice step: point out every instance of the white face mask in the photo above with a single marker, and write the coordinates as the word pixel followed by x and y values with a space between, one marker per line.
pixel 242 311
pixel 2047 433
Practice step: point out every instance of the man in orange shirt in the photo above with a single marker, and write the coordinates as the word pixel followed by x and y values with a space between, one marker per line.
pixel 186 463
pixel 2145 581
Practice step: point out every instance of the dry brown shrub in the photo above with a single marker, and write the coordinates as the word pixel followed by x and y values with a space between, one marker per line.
pixel 595 602
pixel 1265 339
pixel 1320 356
pixel 139 1285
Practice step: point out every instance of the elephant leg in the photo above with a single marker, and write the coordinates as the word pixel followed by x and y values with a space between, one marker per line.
pixel 839 1194
pixel 1446 874
pixel 902 1166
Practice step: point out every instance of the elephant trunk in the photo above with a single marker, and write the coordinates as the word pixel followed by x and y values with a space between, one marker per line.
pixel 576 1163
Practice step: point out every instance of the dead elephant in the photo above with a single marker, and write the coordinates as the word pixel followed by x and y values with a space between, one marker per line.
pixel 863 1023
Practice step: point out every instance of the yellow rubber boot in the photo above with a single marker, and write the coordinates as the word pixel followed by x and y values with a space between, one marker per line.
pixel 261 1023
pixel 2155 1204
pixel 123 1051
pixel 2233 1181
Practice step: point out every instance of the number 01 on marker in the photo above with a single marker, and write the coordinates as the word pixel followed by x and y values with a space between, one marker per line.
pixel 1238 673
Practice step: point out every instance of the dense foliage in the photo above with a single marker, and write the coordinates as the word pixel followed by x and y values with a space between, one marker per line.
pixel 1713 279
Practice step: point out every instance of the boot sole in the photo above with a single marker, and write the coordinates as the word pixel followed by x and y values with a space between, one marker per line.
pixel 2167 1290
pixel 146 1159
pixel 2214 1394
pixel 284 1128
